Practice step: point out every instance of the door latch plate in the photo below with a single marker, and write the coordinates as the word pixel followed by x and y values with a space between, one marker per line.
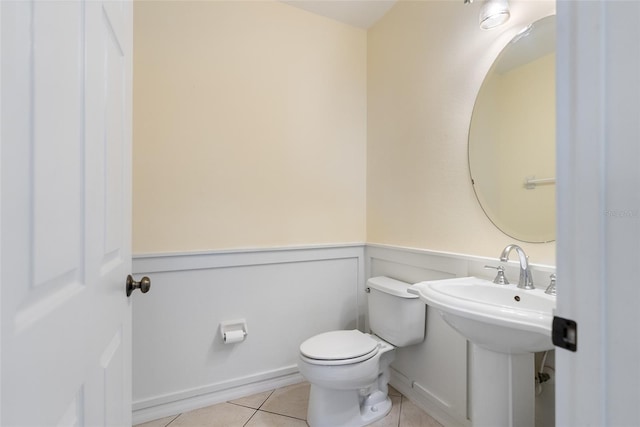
pixel 564 333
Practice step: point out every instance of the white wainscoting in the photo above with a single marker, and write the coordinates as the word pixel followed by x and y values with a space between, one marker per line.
pixel 434 374
pixel 286 295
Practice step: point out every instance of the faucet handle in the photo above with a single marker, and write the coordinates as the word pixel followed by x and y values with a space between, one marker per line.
pixel 500 279
pixel 551 289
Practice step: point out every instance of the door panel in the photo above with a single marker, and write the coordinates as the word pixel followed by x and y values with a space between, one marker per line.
pixel 115 95
pixel 598 210
pixel 57 85
pixel 65 215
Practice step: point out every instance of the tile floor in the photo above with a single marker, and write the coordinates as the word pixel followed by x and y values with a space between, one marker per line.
pixel 285 407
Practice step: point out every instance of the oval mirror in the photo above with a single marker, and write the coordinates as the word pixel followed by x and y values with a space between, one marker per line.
pixel 512 136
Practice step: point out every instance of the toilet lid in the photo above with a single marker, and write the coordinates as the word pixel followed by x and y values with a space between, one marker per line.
pixel 338 345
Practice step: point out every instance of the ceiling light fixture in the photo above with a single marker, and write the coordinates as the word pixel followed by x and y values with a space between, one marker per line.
pixel 494 13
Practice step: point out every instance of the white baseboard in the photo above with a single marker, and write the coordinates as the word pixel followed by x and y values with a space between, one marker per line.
pixel 426 401
pixel 188 400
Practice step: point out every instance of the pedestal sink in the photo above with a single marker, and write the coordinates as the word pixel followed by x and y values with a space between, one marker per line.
pixel 505 326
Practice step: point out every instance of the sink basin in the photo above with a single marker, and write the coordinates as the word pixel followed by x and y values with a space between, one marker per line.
pixel 500 318
pixel 505 326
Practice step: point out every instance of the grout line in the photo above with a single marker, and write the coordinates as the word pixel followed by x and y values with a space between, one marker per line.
pixel 174 418
pixel 283 415
pixel 265 401
pixel 251 407
pixel 252 415
pixel 242 406
pixel 256 410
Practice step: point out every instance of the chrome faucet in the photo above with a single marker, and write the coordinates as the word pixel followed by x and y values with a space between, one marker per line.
pixel 526 280
pixel 551 289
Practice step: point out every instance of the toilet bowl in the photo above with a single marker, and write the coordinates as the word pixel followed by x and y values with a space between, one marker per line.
pixel 349 370
pixel 349 388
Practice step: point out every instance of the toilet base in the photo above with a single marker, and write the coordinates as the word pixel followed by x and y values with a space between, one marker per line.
pixel 352 395
pixel 345 408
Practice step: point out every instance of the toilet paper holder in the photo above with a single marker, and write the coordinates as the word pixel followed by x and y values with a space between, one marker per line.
pixel 233 331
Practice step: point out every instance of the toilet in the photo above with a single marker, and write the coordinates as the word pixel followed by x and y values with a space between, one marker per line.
pixel 349 370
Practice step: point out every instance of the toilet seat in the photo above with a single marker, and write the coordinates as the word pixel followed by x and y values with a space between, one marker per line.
pixel 339 348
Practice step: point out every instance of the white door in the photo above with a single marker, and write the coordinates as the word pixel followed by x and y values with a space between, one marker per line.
pixel 599 212
pixel 65 212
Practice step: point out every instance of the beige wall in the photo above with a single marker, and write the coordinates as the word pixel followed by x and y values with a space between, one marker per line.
pixel 426 63
pixel 249 127
pixel 258 124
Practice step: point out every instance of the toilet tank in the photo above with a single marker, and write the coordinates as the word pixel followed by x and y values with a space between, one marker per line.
pixel 395 315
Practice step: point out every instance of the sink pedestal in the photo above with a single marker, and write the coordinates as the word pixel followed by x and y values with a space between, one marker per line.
pixel 514 324
pixel 502 388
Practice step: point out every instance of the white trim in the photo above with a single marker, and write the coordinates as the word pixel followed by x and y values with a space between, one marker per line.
pixel 215 387
pixel 177 261
pixel 445 254
pixel 249 250
pixel 457 265
pixel 427 401
pixel 188 400
pixel 155 263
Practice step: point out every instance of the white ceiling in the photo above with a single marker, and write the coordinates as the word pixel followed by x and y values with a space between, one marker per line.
pixel 359 13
